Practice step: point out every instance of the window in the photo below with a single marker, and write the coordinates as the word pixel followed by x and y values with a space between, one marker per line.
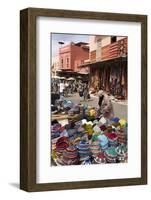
pixel 113 39
pixel 67 62
pixel 61 63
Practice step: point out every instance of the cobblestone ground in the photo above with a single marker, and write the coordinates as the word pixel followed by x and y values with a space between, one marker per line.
pixel 120 108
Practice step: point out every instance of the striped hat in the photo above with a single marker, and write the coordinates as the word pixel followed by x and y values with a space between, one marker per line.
pixel 100 158
pixel 62 144
pixel 70 156
pixel 83 150
pixel 95 147
pixel 122 137
pixel 111 155
pixel 112 138
pixel 121 153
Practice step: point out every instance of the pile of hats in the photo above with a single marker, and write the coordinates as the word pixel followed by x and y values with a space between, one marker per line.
pixel 55 129
pixel 83 150
pixel 67 105
pixel 74 110
pixel 91 140
pixel 70 156
pixel 111 155
pixel 121 153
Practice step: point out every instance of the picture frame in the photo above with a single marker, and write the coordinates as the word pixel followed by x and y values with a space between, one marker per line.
pixel 28 98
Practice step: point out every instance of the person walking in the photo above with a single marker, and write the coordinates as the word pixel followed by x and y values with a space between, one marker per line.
pixel 66 90
pixel 105 105
pixel 61 88
pixel 80 91
pixel 85 92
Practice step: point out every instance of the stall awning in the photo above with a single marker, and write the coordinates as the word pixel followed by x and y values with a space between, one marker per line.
pixel 101 63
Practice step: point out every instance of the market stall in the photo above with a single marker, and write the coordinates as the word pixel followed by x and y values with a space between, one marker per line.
pixel 80 136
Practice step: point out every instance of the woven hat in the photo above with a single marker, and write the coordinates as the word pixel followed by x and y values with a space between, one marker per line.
pixel 103 141
pixel 95 147
pixel 103 127
pixel 102 120
pixel 70 156
pixel 71 132
pixel 61 144
pixel 96 129
pixel 83 150
pixel 112 138
pixel 121 153
pixel 64 133
pixel 111 155
pixel 122 137
pixel 115 119
pixel 122 122
pixel 100 158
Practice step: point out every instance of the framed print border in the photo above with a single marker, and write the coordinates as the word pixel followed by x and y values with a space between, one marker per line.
pixel 28 98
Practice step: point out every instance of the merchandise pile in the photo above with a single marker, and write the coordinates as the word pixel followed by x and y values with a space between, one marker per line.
pixel 91 139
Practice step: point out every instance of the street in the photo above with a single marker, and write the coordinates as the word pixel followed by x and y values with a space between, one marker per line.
pixel 120 107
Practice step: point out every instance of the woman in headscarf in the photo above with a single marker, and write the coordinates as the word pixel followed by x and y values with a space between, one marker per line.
pixel 105 105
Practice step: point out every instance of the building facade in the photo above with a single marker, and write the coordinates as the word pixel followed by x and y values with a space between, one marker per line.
pixel 55 66
pixel 72 56
pixel 108 64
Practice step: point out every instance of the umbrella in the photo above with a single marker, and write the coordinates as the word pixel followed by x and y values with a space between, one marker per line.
pixel 62 77
pixel 56 77
pixel 71 79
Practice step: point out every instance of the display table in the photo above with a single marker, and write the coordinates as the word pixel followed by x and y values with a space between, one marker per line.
pixel 63 117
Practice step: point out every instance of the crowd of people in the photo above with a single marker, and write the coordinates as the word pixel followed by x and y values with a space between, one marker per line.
pixel 65 89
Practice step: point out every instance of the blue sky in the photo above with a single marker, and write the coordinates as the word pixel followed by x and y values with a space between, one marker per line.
pixel 66 38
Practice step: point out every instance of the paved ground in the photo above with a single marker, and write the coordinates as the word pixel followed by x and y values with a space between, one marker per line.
pixel 120 108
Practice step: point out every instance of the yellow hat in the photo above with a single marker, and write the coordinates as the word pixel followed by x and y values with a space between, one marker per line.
pixel 122 122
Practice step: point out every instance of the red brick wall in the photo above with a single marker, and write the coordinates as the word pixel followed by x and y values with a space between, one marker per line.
pixel 76 56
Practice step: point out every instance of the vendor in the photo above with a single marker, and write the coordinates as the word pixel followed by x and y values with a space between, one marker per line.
pixel 105 105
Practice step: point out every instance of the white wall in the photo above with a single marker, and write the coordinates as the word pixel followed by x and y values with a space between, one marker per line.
pixel 9 101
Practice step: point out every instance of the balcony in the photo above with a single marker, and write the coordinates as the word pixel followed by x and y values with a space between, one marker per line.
pixel 114 50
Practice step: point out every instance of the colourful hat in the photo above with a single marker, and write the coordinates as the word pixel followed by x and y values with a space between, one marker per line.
pixel 103 120
pixel 83 149
pixel 96 129
pixel 100 158
pixel 70 156
pixel 111 155
pixel 115 119
pixel 121 153
pixel 112 138
pixel 64 133
pixel 122 122
pixel 61 144
pixel 95 147
pixel 122 137
pixel 103 127
pixel 103 141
